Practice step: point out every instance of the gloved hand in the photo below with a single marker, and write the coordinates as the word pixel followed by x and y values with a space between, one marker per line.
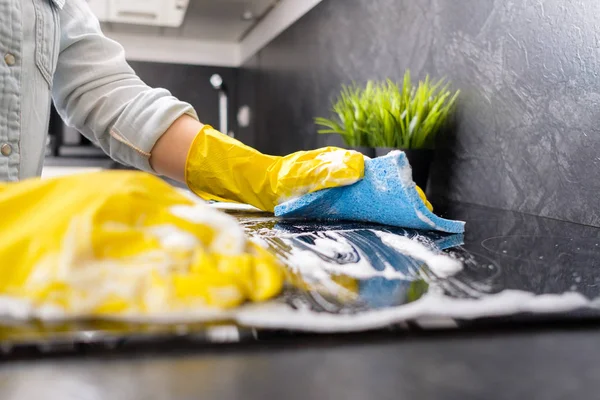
pixel 221 168
pixel 424 198
pixel 124 243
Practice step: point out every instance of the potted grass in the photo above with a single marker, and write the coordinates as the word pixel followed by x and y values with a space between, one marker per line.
pixel 386 116
pixel 351 119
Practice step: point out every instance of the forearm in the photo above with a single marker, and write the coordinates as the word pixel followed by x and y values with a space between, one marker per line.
pixel 169 154
pixel 97 92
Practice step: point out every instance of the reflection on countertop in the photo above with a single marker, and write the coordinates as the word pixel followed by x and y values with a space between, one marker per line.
pixel 343 276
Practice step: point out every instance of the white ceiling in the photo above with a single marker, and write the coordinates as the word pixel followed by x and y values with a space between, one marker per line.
pixel 207 20
pixel 213 32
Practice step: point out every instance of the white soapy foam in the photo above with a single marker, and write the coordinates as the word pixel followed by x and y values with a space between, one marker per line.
pixel 278 315
pixel 333 160
pixel 259 241
pixel 49 312
pixel 404 172
pixel 198 314
pixel 172 237
pixel 230 238
pixel 331 247
pixel 393 153
pixel 390 273
pixel 223 206
pixel 425 219
pixel 440 264
pixel 303 190
pixel 11 307
pixel 309 264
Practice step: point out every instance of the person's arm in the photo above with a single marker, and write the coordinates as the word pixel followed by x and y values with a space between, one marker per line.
pixel 169 154
pixel 97 92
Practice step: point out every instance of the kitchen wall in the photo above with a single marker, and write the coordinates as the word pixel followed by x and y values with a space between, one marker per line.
pixel 526 134
pixel 191 83
pixel 249 89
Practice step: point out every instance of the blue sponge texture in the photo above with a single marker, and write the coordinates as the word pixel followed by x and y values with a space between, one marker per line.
pixel 387 195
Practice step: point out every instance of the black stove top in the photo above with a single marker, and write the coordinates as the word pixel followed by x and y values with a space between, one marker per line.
pixel 350 276
pixel 513 265
pixel 534 254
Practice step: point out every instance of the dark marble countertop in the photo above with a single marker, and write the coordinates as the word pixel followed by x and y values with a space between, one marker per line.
pixel 534 356
pixel 541 364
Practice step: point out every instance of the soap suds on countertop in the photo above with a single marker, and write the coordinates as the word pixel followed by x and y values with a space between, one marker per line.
pixel 310 265
pixel 224 206
pixel 431 305
pixel 317 256
pixel 340 256
pixel 440 264
pixel 279 315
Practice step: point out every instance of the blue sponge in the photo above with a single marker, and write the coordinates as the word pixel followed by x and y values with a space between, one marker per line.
pixel 387 195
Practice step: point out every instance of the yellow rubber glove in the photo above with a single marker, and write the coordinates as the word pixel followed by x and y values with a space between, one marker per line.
pixel 224 169
pixel 122 243
pixel 424 198
pixel 221 168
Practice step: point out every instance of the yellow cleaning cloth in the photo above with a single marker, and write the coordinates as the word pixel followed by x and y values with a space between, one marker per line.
pixel 124 244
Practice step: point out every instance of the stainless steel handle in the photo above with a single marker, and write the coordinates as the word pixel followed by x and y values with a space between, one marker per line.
pixel 223 105
pixel 217 82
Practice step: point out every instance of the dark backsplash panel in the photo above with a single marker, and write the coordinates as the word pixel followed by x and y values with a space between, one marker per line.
pixel 526 135
pixel 248 85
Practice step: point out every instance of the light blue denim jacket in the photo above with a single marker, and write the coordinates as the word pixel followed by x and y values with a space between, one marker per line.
pixel 54 49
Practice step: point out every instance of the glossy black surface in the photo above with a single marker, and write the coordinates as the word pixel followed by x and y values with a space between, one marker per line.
pixel 341 246
pixel 500 250
pixel 535 254
pixel 553 365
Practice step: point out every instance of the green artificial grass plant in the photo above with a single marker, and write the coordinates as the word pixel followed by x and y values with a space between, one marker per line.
pixel 384 114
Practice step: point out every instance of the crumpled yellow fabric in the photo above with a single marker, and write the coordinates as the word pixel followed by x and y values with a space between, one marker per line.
pixel 221 168
pixel 224 169
pixel 120 243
